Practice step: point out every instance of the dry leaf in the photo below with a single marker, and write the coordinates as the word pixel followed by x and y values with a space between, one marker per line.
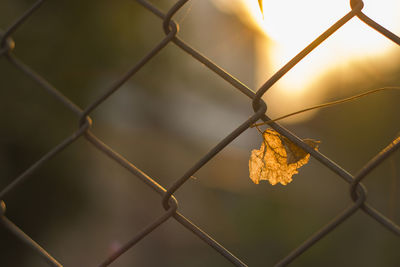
pixel 260 3
pixel 278 158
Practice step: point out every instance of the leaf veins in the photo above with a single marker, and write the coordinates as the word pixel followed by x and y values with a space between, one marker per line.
pixel 278 158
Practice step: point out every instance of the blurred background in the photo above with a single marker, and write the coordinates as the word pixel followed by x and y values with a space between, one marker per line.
pixel 80 206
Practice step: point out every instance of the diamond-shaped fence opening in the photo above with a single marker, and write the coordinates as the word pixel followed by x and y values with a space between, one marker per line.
pixel 72 142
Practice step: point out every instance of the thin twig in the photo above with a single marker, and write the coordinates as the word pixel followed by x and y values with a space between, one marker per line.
pixel 329 104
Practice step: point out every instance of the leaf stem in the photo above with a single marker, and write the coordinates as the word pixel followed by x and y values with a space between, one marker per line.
pixel 329 104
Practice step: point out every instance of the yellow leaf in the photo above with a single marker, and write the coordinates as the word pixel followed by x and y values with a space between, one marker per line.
pixel 278 158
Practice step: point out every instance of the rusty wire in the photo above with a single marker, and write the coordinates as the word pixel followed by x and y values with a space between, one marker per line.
pixel 169 202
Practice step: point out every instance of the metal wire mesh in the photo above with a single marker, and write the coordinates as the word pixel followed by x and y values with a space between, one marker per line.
pixel 169 202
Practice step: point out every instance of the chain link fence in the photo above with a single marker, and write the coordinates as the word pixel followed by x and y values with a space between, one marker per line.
pixel 169 202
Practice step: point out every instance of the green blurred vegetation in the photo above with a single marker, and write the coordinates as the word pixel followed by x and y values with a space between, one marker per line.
pixel 81 204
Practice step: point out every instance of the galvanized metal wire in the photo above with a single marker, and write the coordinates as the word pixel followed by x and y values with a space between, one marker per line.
pixel 169 202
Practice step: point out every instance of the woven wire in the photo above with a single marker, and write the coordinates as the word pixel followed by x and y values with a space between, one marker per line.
pixel 169 202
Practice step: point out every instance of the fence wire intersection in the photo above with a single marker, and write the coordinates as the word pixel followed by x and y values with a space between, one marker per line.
pixel 357 190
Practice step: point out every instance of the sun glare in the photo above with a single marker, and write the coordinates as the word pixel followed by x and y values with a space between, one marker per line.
pixel 289 26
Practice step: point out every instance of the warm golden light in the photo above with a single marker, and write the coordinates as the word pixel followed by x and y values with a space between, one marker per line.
pixel 292 25
pixel 289 26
